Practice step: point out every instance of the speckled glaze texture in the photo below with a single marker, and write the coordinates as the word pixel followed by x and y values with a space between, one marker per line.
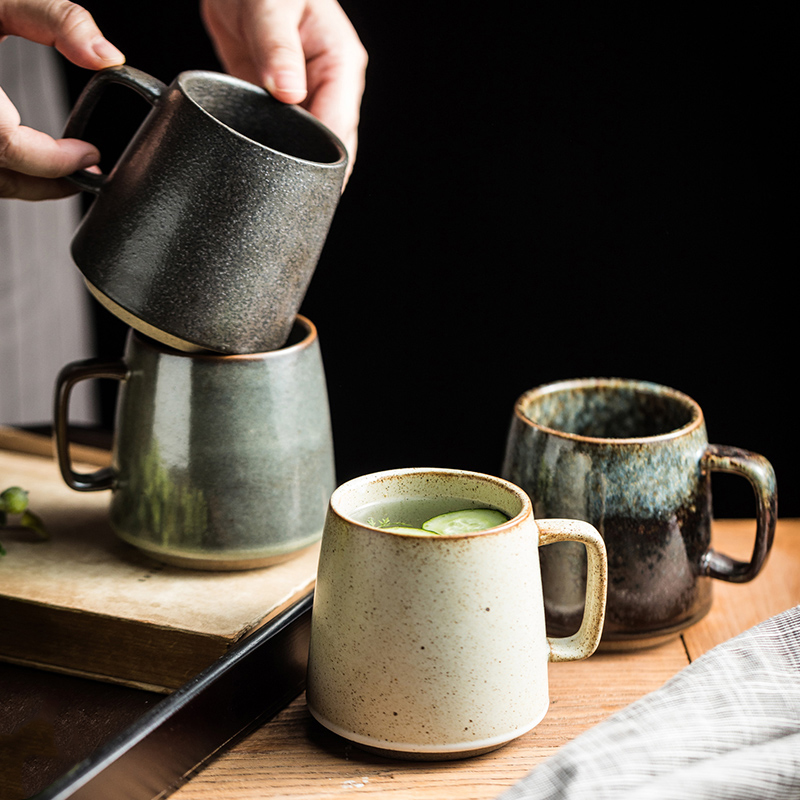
pixel 219 462
pixel 434 647
pixel 632 458
pixel 210 226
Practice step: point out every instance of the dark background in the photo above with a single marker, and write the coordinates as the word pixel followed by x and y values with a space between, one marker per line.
pixel 535 198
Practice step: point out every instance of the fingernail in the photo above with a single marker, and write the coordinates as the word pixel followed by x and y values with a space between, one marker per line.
pixel 105 50
pixel 288 81
pixel 90 159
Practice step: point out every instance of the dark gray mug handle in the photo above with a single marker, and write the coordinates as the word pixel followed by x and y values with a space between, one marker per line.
pixel 70 375
pixel 761 475
pixel 148 87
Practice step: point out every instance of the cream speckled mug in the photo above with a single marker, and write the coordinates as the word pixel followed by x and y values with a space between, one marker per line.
pixel 434 646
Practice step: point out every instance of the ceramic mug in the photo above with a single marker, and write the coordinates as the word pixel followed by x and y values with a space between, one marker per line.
pixel 633 459
pixel 434 646
pixel 206 232
pixel 219 462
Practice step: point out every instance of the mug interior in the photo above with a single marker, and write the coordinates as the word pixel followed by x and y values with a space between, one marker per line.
pixel 253 113
pixel 610 409
pixel 411 496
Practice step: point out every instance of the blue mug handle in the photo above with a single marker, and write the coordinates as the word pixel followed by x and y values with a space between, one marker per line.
pixel 757 470
pixel 151 89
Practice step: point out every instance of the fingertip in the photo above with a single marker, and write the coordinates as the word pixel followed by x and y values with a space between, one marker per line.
pixel 95 54
pixel 91 158
pixel 286 86
pixel 74 154
pixel 71 29
pixel 107 52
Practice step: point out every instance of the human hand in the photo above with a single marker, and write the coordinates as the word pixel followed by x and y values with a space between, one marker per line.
pixel 33 164
pixel 300 51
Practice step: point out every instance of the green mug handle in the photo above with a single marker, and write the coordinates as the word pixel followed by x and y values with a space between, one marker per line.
pixel 583 643
pixel 757 470
pixel 70 375
pixel 148 87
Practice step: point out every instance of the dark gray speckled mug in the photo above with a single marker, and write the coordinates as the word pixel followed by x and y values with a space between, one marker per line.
pixel 208 229
pixel 219 462
pixel 633 459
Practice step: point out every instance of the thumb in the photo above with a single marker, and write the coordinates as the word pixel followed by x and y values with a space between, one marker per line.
pixel 66 26
pixel 276 47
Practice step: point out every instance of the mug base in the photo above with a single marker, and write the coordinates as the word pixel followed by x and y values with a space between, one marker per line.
pixel 616 643
pixel 220 564
pixel 404 755
pixel 175 342
pixel 622 645
pixel 425 752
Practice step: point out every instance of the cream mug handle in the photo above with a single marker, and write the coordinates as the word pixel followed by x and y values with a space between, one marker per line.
pixel 583 643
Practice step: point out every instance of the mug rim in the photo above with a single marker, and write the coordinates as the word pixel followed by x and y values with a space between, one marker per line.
pixel 309 337
pixel 525 512
pixel 648 387
pixel 221 77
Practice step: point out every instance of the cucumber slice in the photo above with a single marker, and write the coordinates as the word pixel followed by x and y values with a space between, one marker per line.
pixel 466 521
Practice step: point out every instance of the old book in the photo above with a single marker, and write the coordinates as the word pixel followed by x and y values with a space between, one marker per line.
pixel 87 603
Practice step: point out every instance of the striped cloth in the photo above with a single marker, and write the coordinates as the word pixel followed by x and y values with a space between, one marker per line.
pixel 44 306
pixel 727 726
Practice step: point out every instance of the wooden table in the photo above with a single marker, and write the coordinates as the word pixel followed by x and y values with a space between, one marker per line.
pixel 293 757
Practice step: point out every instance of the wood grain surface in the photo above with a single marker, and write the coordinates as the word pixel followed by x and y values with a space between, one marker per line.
pixel 293 757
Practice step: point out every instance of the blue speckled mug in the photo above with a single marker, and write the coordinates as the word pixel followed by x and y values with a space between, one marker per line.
pixel 633 459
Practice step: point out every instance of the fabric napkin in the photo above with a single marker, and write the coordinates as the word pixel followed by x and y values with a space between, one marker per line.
pixel 726 726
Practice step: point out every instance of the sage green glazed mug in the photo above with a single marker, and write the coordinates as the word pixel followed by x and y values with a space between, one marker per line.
pixel 633 459
pixel 432 647
pixel 219 462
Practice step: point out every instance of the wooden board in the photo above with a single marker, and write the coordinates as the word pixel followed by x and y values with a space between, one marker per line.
pixel 87 603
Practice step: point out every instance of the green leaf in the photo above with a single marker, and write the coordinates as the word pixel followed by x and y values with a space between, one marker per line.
pixel 33 522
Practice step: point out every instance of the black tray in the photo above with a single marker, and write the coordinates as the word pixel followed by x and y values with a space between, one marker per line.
pixel 182 733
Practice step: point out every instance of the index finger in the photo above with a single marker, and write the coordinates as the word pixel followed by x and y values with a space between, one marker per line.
pixel 68 27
